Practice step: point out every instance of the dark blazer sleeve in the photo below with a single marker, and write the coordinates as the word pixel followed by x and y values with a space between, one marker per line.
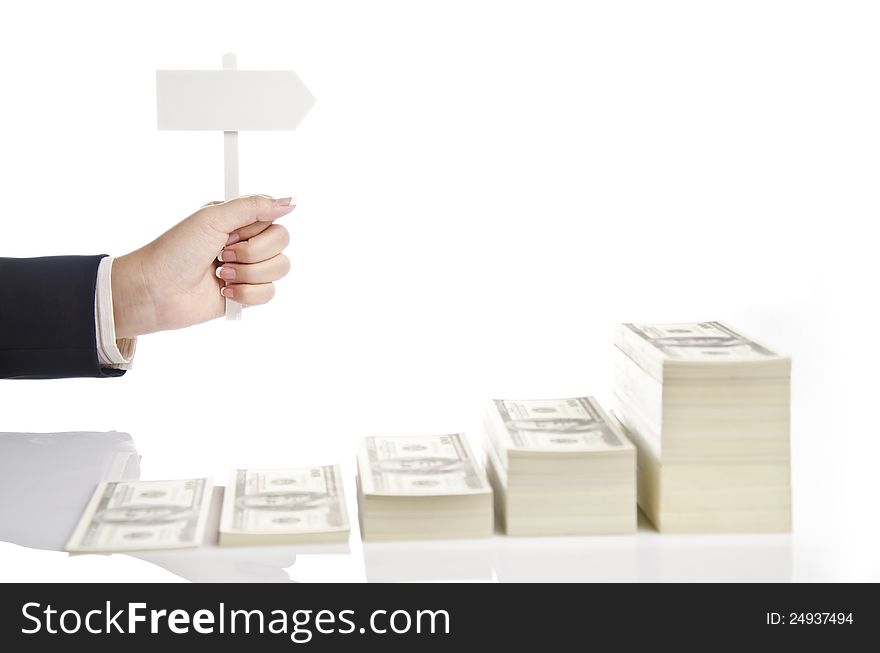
pixel 47 318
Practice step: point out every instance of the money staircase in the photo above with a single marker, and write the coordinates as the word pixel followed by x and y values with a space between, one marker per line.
pixel 698 439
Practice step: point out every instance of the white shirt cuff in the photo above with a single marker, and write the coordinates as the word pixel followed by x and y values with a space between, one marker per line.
pixel 113 353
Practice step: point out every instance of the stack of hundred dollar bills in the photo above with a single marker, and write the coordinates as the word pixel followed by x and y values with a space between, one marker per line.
pixel 143 515
pixel 559 467
pixel 260 506
pixel 284 506
pixel 708 409
pixel 422 487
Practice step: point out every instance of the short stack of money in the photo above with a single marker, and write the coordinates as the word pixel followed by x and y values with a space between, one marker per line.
pixel 143 515
pixel 559 467
pixel 422 487
pixel 708 409
pixel 284 506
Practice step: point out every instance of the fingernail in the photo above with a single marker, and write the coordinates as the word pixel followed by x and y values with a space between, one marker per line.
pixel 233 238
pixel 226 291
pixel 225 273
pixel 285 201
pixel 226 256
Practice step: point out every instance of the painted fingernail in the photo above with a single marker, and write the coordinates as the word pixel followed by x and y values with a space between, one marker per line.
pixel 226 273
pixel 285 201
pixel 226 291
pixel 233 238
pixel 227 256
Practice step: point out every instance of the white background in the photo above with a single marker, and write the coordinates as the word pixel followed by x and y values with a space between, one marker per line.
pixel 484 190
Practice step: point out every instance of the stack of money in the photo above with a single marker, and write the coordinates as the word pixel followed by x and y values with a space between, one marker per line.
pixel 284 506
pixel 143 515
pixel 559 467
pixel 708 409
pixel 422 487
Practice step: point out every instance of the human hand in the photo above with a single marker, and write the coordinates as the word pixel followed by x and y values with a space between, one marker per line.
pixel 177 280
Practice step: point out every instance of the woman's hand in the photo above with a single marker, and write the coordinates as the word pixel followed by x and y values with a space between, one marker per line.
pixel 179 280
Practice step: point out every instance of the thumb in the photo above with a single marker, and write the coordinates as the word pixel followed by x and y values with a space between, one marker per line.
pixel 228 216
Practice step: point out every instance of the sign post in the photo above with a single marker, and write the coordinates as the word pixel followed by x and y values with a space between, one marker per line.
pixel 231 100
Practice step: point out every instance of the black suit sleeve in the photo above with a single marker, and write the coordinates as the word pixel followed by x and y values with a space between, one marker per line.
pixel 47 318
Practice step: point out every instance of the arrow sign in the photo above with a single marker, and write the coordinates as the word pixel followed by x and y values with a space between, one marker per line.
pixel 231 101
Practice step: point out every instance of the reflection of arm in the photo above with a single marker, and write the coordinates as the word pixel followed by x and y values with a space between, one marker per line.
pixel 48 319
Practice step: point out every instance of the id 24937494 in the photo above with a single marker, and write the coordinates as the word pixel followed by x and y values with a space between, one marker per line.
pixel 809 618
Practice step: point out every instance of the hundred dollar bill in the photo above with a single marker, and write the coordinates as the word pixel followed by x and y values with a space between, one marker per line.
pixel 276 506
pixel 143 515
pixel 694 349
pixel 419 466
pixel 700 341
pixel 551 425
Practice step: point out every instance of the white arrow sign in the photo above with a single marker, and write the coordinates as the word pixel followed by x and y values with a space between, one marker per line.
pixel 231 101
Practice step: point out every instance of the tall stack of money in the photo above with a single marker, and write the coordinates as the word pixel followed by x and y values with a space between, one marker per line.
pixel 143 515
pixel 559 467
pixel 284 506
pixel 708 409
pixel 422 487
